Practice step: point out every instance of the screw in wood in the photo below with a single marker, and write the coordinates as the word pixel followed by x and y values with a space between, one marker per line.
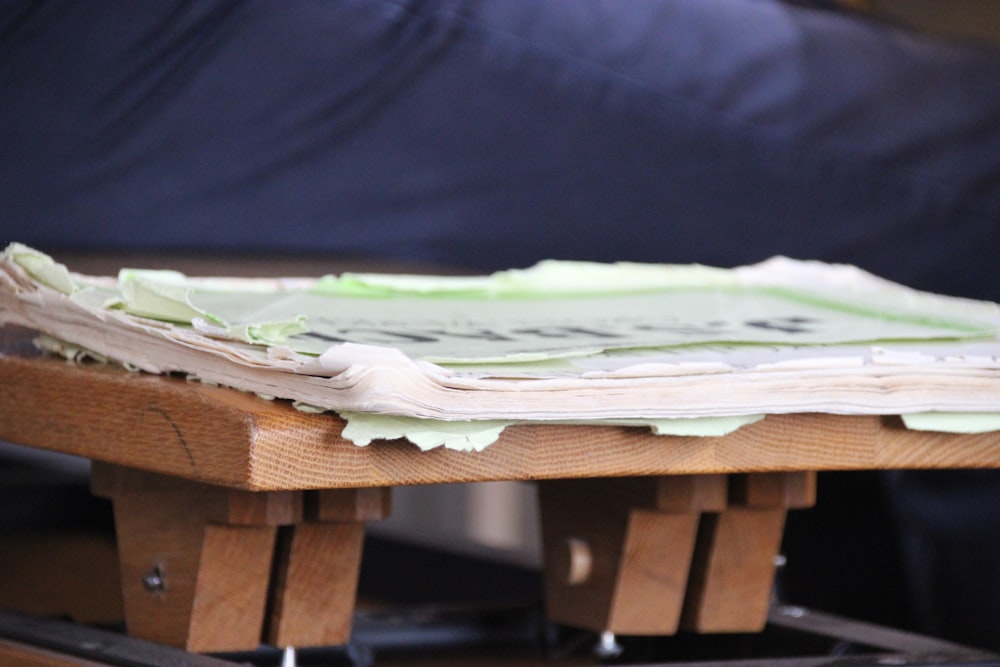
pixel 154 581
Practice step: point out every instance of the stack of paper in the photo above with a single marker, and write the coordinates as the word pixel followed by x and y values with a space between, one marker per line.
pixel 561 341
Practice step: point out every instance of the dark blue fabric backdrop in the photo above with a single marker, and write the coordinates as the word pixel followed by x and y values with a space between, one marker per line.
pixel 494 133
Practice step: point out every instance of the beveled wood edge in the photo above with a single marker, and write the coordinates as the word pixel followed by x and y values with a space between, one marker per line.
pixel 226 437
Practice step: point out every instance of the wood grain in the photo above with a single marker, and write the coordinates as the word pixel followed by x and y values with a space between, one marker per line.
pixel 618 551
pixel 773 489
pixel 317 577
pixel 732 571
pixel 656 559
pixel 211 547
pixel 225 437
pixel 317 565
pixel 231 588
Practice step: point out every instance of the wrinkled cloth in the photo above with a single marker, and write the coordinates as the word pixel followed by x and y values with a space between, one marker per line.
pixel 491 134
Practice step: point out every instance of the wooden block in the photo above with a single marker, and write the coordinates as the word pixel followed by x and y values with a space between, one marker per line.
pixel 732 574
pixel 215 550
pixel 211 547
pixel 316 584
pixel 653 573
pixel 692 493
pixel 774 489
pixel 231 588
pixel 317 566
pixel 186 581
pixel 216 503
pixel 617 551
pixel 365 504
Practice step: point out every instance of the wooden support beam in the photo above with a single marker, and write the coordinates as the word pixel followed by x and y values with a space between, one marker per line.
pixel 203 568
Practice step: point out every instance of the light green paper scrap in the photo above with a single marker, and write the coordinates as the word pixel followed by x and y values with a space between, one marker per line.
pixel 375 285
pixel 41 267
pixel 271 333
pixel 953 422
pixel 167 295
pixel 216 284
pixel 162 276
pixel 363 428
pixel 702 426
pixel 560 277
pixel 547 278
pixel 162 300
pixel 68 351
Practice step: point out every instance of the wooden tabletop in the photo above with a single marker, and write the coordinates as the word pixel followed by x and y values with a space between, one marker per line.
pixel 226 437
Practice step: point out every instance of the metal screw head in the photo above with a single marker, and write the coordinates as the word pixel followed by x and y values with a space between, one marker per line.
pixel 154 581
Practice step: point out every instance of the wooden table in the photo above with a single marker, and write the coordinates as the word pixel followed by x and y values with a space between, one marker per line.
pixel 240 520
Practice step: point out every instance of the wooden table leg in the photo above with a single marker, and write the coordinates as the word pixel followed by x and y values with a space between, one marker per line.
pixel 195 558
pixel 617 551
pixel 649 555
pixel 732 574
pixel 317 567
pixel 206 569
